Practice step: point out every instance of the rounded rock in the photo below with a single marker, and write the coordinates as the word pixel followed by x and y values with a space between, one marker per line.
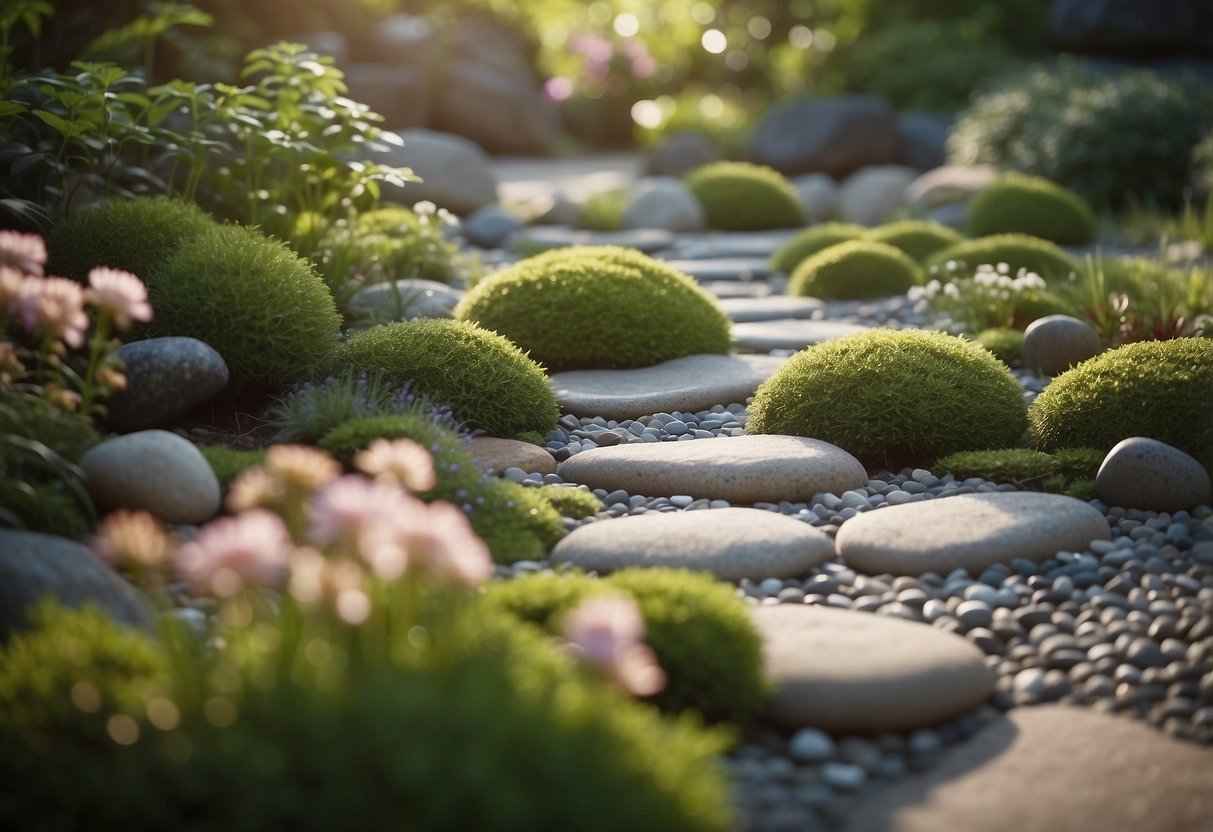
pixel 165 378
pixel 1144 473
pixel 153 470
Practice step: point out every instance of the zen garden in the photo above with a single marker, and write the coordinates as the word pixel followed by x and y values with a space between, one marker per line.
pixel 687 415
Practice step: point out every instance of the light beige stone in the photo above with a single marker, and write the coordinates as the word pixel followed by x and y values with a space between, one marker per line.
pixel 153 470
pixel 774 308
pixel 496 454
pixel 949 184
pixel 787 334
pixel 871 195
pixel 1151 475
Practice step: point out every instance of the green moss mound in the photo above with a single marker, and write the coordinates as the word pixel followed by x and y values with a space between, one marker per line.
pixel 598 307
pixel 812 240
pixel 1004 341
pixel 855 270
pixel 917 239
pixel 135 235
pixel 228 463
pixel 700 631
pixel 604 210
pixel 1019 251
pixel 739 196
pixel 576 502
pixel 1159 389
pixel 894 397
pixel 260 305
pixel 1022 204
pixel 381 246
pixel 1068 471
pixel 486 380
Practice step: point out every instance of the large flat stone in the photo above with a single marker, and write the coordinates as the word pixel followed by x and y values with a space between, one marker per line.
pixel 731 543
pixel 717 245
pixel 790 334
pixel 736 289
pixel 745 469
pixel 496 454
pixel 724 268
pixel 1053 769
pixel 847 671
pixel 543 237
pixel 970 531
pixel 695 382
pixel 774 308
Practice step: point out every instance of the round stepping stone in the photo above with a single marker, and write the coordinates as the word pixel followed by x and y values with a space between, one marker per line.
pixel 497 454
pixel 775 308
pixel 165 378
pixel 688 384
pixel 845 671
pixel 724 268
pixel 736 289
pixel 970 531
pixel 745 469
pixel 764 336
pixel 153 470
pixel 1151 475
pixel 540 238
pixel 731 543
pixel 1052 768
pixel 721 245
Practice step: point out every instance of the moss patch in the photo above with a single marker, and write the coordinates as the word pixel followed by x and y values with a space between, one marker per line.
pixel 854 270
pixel 812 240
pixel 917 239
pixel 1019 251
pixel 739 196
pixel 1018 203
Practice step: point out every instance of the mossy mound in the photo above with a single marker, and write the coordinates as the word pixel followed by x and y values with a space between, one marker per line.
pixel 1018 203
pixel 812 240
pixel 917 239
pixel 486 380
pixel 598 307
pixel 570 501
pixel 134 235
pixel 739 196
pixel 604 210
pixel 1004 341
pixel 1019 251
pixel 261 306
pixel 228 463
pixel 1159 389
pixel 855 270
pixel 1068 471
pixel 700 631
pixel 894 397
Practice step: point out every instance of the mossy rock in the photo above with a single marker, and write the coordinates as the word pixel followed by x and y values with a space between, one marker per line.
pixel 1004 341
pixel 135 235
pixel 598 307
pixel 1159 389
pixel 739 196
pixel 812 240
pixel 1023 204
pixel 917 239
pixel 260 305
pixel 894 397
pixel 1019 251
pixel 487 381
pixel 855 270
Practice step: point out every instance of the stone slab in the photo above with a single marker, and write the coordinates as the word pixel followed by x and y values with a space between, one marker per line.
pixel 496 454
pixel 543 237
pixel 774 308
pixel 736 289
pixel 790 334
pixel 724 268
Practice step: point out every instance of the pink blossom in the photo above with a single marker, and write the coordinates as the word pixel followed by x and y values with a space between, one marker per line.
pixel 132 539
pixel 250 548
pixel 10 286
pixel 121 294
pixel 356 512
pixel 53 306
pixel 398 460
pixel 300 466
pixel 25 252
pixel 445 545
pixel 607 631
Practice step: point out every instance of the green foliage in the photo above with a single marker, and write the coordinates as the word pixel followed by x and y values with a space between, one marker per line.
pixel 893 396
pixel 228 463
pixel 1202 169
pixel 603 211
pixel 1018 251
pixel 1017 203
pixel 631 310
pixel 812 240
pixel 1159 389
pixel 917 239
pixel 739 196
pixel 575 502
pixel 700 631
pixel 488 382
pixel 1068 471
pixel 1005 342
pixel 854 270
pixel 261 306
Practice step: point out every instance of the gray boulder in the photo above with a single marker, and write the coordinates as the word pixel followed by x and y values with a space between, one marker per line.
pixel 455 171
pixel 664 202
pixel 681 153
pixel 830 135
pixel 1055 343
pixel 1147 474
pixel 404 39
pixel 923 139
pixel 490 227
pixel 165 378
pixel 398 93
pixel 1143 28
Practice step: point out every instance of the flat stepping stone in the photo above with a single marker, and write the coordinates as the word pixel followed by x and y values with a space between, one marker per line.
pixel 496 454
pixel 724 268
pixel 773 308
pixel 969 531
pixel 764 336
pixel 846 671
pixel 543 237
pixel 721 244
pixel 688 384
pixel 1052 768
pixel 744 469
pixel 736 288
pixel 731 543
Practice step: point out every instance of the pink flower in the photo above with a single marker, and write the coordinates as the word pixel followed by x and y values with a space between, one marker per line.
pixel 445 545
pixel 301 467
pixel 251 548
pixel 316 579
pixel 53 306
pixel 398 460
pixel 10 286
pixel 607 631
pixel 354 511
pixel 121 294
pixel 26 252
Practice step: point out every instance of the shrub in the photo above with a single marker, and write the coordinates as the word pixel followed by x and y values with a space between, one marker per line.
pixel 598 306
pixel 1159 389
pixel 1020 204
pixel 858 269
pixel 1018 251
pixel 1005 342
pixel 894 396
pixel 917 239
pixel 700 631
pixel 604 210
pixel 260 305
pixel 135 235
pixel 989 297
pixel 739 196
pixel 812 240
pixel 228 463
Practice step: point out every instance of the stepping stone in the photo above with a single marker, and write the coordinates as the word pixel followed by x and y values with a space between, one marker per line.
pixel 724 268
pixel 775 308
pixel 497 454
pixel 1052 768
pixel 731 543
pixel 546 237
pixel 845 671
pixel 736 289
pixel 969 531
pixel 745 469
pixel 764 336
pixel 691 383
pixel 405 299
pixel 723 244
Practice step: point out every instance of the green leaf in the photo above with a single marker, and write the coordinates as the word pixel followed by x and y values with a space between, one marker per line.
pixel 65 128
pixel 11 108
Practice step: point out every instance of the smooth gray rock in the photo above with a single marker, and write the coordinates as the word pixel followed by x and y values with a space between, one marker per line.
pixel 1150 475
pixel 719 245
pixel 1144 28
pixel 1055 343
pixel 773 308
pixel 835 135
pixel 730 543
pixel 664 202
pixel 490 227
pixel 923 139
pixel 153 470
pixel 818 194
pixel 681 153
pixel 503 111
pixel 456 172
pixel 647 240
pixel 736 289
pixel 871 195
pixel 764 336
pixel 165 378
pixel 724 268
pixel 497 453
pixel 949 184
pixel 403 39
pixel 404 300
pixel 400 94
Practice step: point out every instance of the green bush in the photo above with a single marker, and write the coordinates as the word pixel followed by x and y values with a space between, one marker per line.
pixel 812 240
pixel 228 463
pixel 1005 342
pixel 486 380
pixel 1019 204
pixel 854 270
pixel 917 239
pixel 260 305
pixel 604 210
pixel 700 631
pixel 135 235
pixel 1068 471
pixel 598 306
pixel 894 396
pixel 739 196
pixel 1159 389
pixel 1019 251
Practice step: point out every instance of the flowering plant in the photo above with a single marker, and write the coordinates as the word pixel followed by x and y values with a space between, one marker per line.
pixel 990 298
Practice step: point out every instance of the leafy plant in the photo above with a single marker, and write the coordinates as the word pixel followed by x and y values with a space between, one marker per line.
pixel 990 298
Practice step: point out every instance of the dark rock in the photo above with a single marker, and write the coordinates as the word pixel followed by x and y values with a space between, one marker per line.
pixel 923 139
pixel 1143 28
pixel 831 135
pixel 398 93
pixel 490 227
pixel 681 153
pixel 404 39
pixel 455 171
pixel 1147 474
pixel 503 113
pixel 165 378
